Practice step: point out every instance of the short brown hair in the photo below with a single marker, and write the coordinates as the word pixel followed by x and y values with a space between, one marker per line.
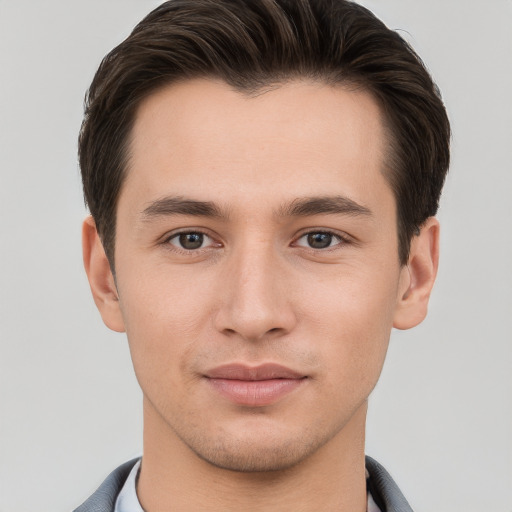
pixel 251 44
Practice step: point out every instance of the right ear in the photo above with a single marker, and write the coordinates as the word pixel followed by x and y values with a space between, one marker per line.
pixel 101 280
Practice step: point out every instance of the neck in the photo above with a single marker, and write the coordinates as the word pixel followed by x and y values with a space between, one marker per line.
pixel 173 477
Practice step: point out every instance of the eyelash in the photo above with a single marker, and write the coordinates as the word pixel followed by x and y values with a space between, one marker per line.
pixel 343 240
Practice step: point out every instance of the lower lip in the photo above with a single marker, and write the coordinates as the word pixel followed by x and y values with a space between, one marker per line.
pixel 255 392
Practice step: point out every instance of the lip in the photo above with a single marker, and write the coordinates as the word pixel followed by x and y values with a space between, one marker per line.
pixel 254 385
pixel 245 372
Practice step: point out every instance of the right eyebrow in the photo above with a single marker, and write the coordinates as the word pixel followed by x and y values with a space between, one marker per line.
pixel 176 205
pixel 323 205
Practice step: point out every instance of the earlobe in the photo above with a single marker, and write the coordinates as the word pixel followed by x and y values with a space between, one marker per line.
pixel 418 276
pixel 101 280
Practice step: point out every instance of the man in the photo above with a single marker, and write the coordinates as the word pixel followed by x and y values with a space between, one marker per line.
pixel 262 179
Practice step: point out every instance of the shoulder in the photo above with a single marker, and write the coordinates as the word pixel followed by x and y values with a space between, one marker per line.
pixel 104 499
pixel 384 490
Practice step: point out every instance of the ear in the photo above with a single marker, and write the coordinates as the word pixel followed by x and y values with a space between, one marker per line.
pixel 100 277
pixel 418 276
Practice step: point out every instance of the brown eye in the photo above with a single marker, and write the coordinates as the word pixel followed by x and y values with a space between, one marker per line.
pixel 319 240
pixel 189 241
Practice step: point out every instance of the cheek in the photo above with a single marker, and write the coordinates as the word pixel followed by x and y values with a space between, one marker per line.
pixel 164 318
pixel 351 317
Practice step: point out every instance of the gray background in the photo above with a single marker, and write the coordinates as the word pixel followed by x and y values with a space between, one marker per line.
pixel 441 416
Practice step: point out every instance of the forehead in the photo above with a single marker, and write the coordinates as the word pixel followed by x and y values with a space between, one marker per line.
pixel 201 138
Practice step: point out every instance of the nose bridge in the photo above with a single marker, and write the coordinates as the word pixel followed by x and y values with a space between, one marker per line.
pixel 255 304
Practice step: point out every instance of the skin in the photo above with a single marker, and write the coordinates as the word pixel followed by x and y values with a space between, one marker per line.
pixel 255 291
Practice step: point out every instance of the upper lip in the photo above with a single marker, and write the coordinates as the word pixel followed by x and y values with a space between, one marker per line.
pixel 266 371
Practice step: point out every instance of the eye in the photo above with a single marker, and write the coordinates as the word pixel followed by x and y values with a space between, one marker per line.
pixel 319 240
pixel 190 240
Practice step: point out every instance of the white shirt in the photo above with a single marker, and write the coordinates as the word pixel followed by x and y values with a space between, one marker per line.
pixel 127 501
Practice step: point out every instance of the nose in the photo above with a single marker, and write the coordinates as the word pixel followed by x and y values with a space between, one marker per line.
pixel 256 300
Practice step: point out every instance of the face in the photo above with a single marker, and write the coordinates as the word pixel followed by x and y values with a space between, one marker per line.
pixel 256 267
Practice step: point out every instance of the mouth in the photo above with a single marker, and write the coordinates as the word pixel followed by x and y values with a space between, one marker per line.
pixel 254 386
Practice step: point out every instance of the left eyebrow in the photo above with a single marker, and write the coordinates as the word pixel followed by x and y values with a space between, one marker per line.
pixel 168 206
pixel 335 205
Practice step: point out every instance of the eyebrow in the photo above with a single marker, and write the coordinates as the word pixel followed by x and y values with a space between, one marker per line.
pixel 336 205
pixel 300 207
pixel 167 206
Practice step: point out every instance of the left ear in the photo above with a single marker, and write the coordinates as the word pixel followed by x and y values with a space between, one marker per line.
pixel 418 276
pixel 100 277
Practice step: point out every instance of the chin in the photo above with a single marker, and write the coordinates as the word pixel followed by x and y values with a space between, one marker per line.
pixel 254 459
pixel 252 454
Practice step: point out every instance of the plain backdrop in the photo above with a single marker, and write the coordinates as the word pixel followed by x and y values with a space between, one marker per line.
pixel 441 417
